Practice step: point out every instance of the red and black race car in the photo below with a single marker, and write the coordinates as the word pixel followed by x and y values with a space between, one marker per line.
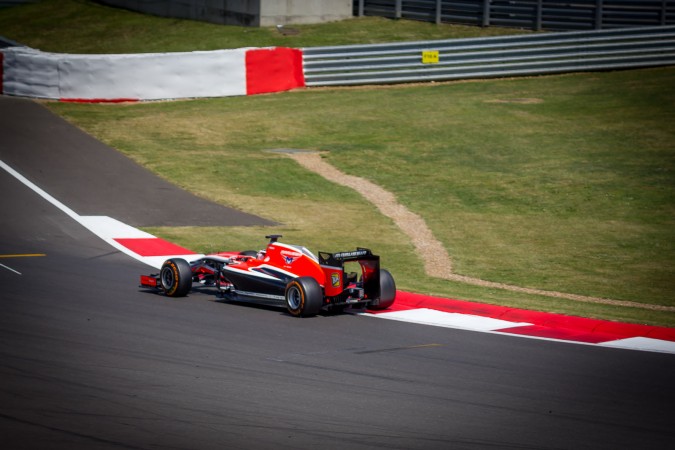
pixel 284 275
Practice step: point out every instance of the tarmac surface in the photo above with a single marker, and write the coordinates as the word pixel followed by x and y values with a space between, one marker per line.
pixel 96 179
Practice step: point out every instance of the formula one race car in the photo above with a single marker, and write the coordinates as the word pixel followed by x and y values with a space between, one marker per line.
pixel 284 275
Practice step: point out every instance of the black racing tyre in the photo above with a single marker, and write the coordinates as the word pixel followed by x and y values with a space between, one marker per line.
pixel 387 291
pixel 176 277
pixel 304 297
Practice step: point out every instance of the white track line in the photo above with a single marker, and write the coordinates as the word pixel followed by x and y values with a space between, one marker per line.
pixel 104 227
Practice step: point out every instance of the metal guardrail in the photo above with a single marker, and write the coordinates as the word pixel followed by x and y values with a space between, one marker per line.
pixel 530 14
pixel 532 54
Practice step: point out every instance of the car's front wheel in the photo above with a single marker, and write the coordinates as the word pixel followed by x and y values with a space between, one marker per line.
pixel 176 277
pixel 304 297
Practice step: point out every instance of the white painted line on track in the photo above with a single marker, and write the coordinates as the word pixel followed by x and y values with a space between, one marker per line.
pixel 450 320
pixel 642 343
pixel 104 227
pixel 108 228
pixel 158 261
pixel 40 192
pixel 10 269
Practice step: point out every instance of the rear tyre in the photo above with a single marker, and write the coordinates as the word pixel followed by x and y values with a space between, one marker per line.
pixel 387 291
pixel 176 277
pixel 304 297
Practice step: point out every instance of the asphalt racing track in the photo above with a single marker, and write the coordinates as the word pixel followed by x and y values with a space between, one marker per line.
pixel 89 361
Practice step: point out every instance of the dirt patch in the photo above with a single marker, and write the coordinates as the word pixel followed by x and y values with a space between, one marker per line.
pixel 437 261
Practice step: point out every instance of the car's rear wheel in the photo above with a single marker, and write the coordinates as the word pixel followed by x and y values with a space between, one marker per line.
pixel 387 291
pixel 176 277
pixel 304 297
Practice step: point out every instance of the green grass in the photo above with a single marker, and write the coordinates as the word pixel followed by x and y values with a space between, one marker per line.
pixel 563 183
pixel 79 26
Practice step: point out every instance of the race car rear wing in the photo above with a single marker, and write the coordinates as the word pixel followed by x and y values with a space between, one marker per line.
pixel 370 271
pixel 353 255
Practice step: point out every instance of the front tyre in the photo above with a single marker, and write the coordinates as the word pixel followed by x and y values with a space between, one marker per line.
pixel 176 277
pixel 304 297
pixel 387 291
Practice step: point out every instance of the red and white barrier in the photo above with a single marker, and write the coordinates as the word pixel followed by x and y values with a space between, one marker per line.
pixel 153 76
pixel 273 70
pixel 30 73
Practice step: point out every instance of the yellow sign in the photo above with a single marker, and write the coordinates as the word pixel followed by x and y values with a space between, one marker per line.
pixel 429 56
